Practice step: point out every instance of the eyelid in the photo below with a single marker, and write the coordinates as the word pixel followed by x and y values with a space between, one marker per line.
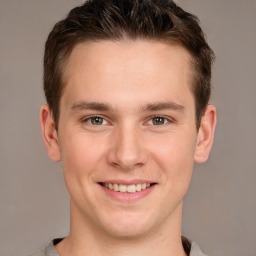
pixel 169 119
pixel 87 118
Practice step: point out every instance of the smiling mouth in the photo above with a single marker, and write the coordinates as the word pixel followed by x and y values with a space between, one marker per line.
pixel 133 188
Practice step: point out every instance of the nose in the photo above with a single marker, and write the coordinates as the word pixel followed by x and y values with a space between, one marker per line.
pixel 127 150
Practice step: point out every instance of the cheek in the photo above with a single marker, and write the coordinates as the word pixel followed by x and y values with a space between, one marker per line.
pixel 176 149
pixel 80 159
pixel 175 156
pixel 81 151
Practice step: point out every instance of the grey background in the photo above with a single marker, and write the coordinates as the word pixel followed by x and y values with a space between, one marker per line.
pixel 219 211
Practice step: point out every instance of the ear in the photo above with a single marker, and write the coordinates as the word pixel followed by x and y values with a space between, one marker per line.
pixel 205 135
pixel 49 133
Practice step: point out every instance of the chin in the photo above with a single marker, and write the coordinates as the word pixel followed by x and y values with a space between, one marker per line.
pixel 128 232
pixel 129 227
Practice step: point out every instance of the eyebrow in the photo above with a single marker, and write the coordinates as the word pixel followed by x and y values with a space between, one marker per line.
pixel 163 106
pixel 97 106
pixel 84 105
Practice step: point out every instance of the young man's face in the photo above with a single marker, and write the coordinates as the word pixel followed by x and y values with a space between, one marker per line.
pixel 127 120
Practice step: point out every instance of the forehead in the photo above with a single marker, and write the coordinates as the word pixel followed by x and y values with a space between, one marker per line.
pixel 127 67
pixel 127 52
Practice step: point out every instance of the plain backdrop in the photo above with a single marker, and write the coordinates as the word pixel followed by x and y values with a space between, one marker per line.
pixel 219 210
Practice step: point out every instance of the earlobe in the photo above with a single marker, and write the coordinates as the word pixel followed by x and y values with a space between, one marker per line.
pixel 205 135
pixel 49 133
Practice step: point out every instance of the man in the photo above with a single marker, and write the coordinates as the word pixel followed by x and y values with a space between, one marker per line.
pixel 127 84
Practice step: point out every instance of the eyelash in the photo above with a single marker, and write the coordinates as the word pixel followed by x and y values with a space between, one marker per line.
pixel 166 120
pixel 90 118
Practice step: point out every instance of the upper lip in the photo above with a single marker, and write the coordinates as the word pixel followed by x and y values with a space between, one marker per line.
pixel 128 182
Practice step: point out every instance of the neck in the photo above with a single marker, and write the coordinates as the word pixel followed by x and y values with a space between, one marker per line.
pixel 86 239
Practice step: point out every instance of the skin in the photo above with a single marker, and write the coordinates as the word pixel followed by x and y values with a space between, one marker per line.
pixel 126 84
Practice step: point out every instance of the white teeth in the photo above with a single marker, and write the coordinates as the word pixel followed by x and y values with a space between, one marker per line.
pixel 138 187
pixel 130 188
pixel 115 187
pixel 122 188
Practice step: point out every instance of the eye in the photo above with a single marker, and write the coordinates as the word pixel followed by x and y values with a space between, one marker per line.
pixel 158 120
pixel 96 120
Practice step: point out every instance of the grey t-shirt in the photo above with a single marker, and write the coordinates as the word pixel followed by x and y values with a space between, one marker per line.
pixel 191 248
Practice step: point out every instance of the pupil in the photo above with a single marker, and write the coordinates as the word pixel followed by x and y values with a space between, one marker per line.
pixel 158 120
pixel 97 120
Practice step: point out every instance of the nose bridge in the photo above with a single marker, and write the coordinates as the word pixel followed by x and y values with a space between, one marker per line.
pixel 127 149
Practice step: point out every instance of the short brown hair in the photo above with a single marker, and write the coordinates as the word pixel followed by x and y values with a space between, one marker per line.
pixel 156 20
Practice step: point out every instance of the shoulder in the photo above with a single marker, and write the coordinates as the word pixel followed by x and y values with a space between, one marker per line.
pixel 191 248
pixel 195 250
pixel 46 250
pixel 39 252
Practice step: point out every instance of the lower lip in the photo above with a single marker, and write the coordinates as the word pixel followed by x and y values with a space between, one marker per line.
pixel 128 197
